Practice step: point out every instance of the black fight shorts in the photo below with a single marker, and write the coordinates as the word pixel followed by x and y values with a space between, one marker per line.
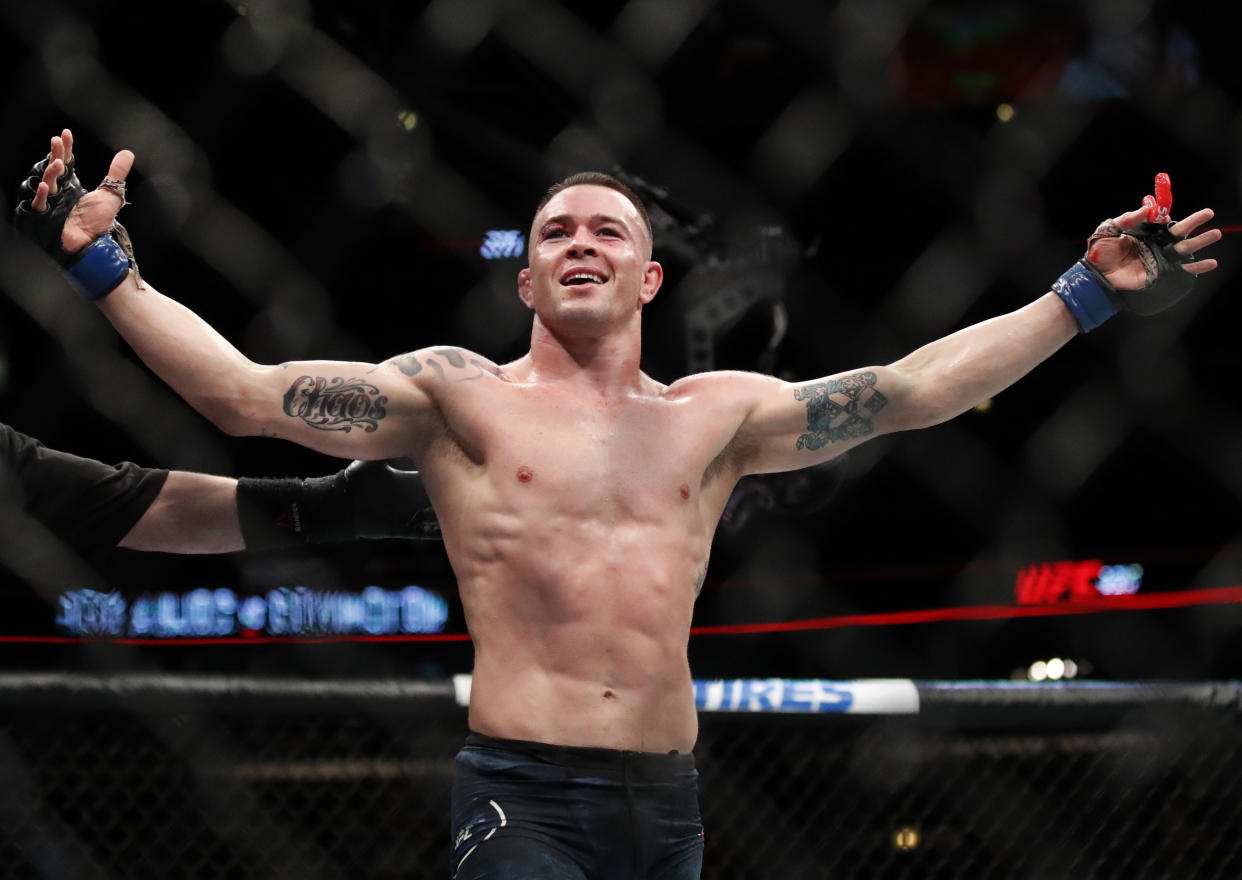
pixel 526 810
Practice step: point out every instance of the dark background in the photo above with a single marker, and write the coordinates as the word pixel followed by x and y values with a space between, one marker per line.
pixel 832 186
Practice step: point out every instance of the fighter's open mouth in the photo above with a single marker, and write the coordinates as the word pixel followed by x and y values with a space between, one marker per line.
pixel 582 278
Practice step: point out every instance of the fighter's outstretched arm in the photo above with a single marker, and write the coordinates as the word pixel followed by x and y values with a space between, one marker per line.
pixel 792 425
pixel 352 410
pixel 342 408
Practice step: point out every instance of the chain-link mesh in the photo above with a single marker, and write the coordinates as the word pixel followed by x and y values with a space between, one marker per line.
pixel 1152 797
pixel 113 794
pixel 1147 790
pixel 850 179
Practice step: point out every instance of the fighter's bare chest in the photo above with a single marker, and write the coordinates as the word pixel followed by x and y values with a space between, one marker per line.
pixel 578 441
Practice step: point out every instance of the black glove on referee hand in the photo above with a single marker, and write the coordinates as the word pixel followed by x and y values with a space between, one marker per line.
pixel 368 499
pixel 382 501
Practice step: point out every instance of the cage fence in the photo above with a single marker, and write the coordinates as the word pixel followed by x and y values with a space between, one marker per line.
pixel 193 777
pixel 417 129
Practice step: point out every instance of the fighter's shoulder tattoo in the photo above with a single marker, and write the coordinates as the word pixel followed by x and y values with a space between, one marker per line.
pixel 839 409
pixel 451 364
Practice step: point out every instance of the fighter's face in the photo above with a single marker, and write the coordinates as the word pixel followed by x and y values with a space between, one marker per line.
pixel 589 259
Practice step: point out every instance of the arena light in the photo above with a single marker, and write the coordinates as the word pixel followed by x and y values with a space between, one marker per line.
pixel 1056 669
pixel 906 838
pixel 408 119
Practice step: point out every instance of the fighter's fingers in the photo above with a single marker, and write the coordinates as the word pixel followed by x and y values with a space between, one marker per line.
pixel 67 136
pixel 51 174
pixel 1131 219
pixel 38 204
pixel 1200 266
pixel 1202 240
pixel 1187 225
pixel 122 162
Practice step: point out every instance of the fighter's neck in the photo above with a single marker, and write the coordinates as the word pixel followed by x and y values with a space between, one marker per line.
pixel 607 363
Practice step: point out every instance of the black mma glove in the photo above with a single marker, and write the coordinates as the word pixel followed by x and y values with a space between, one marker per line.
pixel 1093 300
pixel 368 499
pixel 96 269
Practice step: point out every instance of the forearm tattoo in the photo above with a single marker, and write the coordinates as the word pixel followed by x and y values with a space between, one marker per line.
pixel 841 409
pixel 335 404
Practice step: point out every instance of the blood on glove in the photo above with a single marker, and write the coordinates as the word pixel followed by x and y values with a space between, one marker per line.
pixel 1092 298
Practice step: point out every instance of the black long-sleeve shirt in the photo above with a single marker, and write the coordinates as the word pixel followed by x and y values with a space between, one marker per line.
pixel 87 504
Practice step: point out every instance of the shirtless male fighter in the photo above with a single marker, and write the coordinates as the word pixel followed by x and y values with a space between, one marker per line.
pixel 578 497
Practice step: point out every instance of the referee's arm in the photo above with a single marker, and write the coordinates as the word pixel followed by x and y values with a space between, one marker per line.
pixel 193 513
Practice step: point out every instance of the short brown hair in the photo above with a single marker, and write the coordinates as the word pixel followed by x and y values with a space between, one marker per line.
pixel 598 178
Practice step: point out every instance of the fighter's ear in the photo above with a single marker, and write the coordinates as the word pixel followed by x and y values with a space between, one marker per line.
pixel 524 288
pixel 653 277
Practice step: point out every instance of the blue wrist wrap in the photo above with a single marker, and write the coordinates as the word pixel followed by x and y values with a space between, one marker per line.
pixel 1085 296
pixel 102 266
